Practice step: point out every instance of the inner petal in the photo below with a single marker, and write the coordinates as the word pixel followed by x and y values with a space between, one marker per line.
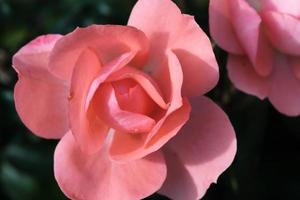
pixel 114 116
pixel 132 97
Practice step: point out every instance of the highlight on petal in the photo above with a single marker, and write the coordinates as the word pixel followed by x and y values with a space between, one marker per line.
pixel 147 16
pixel 242 74
pixel 291 7
pixel 94 177
pixel 32 59
pixel 221 28
pixel 283 30
pixel 40 97
pixel 201 151
pixel 88 129
pixel 181 34
pixel 108 41
pixel 176 80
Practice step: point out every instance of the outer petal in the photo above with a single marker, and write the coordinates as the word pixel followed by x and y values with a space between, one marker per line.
pixel 40 97
pixel 244 77
pixel 200 68
pixel 87 128
pixel 281 87
pixel 285 89
pixel 42 106
pixel 251 36
pixel 181 34
pixel 32 59
pixel 95 177
pixel 202 150
pixel 147 16
pixel 221 29
pixel 283 30
pixel 108 41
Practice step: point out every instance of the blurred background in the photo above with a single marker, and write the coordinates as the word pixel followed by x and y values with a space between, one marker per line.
pixel 267 165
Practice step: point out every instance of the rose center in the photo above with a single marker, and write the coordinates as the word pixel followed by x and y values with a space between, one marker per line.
pixel 132 97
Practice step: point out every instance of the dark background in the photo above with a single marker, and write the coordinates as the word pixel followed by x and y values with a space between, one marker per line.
pixel 267 165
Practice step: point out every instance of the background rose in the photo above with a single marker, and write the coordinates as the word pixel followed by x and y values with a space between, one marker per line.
pixel 79 85
pixel 262 39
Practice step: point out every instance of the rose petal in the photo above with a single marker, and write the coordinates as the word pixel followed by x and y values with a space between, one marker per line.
pixel 251 36
pixel 87 128
pixel 133 98
pixel 40 97
pixel 126 147
pixel 147 16
pixel 202 150
pixel 282 87
pixel 176 80
pixel 291 7
pixel 242 74
pixel 32 59
pixel 285 89
pixel 170 125
pixel 221 27
pixel 264 55
pixel 95 177
pixel 108 41
pixel 107 70
pixel 145 81
pixel 124 121
pixel 169 77
pixel 42 106
pixel 283 30
pixel 200 68
pixel 294 62
pixel 180 33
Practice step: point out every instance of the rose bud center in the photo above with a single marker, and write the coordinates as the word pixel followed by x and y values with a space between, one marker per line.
pixel 125 106
pixel 132 97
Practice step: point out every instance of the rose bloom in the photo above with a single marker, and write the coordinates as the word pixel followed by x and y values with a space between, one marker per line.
pixel 262 38
pixel 127 104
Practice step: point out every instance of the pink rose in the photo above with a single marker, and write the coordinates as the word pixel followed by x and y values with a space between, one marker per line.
pixel 116 95
pixel 263 41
